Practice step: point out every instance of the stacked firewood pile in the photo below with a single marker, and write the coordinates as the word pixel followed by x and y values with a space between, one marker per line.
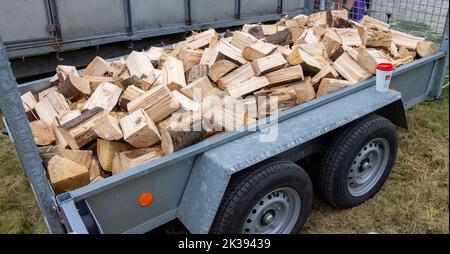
pixel 116 115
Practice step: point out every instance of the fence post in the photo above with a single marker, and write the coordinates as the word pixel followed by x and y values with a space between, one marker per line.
pixel 441 65
pixel 12 110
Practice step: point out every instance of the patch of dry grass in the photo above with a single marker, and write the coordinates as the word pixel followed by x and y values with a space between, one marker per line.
pixel 413 200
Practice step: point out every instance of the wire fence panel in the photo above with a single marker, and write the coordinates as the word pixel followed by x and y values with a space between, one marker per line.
pixel 425 18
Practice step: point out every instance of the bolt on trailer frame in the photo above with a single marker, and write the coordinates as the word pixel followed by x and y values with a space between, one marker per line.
pixel 189 184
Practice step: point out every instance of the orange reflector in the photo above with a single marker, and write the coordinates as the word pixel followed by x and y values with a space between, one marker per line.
pixel 145 199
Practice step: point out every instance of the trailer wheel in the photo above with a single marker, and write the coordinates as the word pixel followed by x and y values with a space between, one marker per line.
pixel 272 198
pixel 358 162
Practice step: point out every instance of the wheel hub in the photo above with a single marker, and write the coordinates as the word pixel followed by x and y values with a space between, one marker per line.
pixel 268 217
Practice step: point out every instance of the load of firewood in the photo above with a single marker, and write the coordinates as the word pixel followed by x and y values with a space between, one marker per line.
pixel 116 115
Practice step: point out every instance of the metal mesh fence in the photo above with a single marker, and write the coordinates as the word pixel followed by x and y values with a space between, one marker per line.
pixel 425 18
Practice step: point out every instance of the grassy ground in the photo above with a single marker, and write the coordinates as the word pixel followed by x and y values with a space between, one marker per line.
pixel 413 200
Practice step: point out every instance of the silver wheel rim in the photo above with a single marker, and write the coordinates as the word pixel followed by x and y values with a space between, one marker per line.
pixel 276 213
pixel 368 167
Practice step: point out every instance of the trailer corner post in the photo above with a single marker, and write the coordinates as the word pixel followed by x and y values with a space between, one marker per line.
pixel 441 65
pixel 12 109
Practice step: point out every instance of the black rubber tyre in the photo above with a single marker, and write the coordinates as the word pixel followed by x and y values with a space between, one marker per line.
pixel 248 187
pixel 338 158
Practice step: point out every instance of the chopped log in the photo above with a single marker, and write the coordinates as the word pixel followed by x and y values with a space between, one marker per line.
pixel 377 38
pixel 107 127
pixel 186 102
pixel 98 67
pixel 116 68
pixel 336 54
pixel 105 96
pixel 309 37
pixel 220 69
pixel 241 40
pixel 363 33
pixel 79 131
pixel 74 87
pixel 45 111
pixel 68 115
pixel 268 64
pixel 66 175
pixel 256 31
pixel 174 74
pixel 369 58
pixel 283 37
pixel 350 37
pixel 351 70
pixel 405 40
pixel 300 20
pixel 248 86
pixel 352 52
pixel 139 130
pixel 404 52
pixel 227 34
pixel 201 87
pixel 42 133
pixel 231 52
pixel 65 70
pixel 131 81
pixel 134 158
pixel 29 102
pixel 267 29
pixel 196 72
pixel 94 170
pixel 304 90
pixel 251 108
pixel 319 32
pixel 156 55
pixel 343 14
pixel 340 22
pixel 258 50
pixel 241 74
pixel 139 64
pixel 58 102
pixel 54 81
pixel 323 18
pixel 78 105
pixel 316 50
pixel 327 71
pixel 286 99
pixel 309 64
pixel 131 93
pixel 286 75
pixel 158 102
pixel 83 157
pixel 371 22
pixel 155 79
pixel 394 50
pixel 202 40
pixel 426 48
pixel 210 56
pixel 94 81
pixel 106 151
pixel 332 42
pixel 60 141
pixel 402 61
pixel 116 165
pixel 296 33
pixel 44 93
pixel 330 85
pixel 190 57
pixel 180 132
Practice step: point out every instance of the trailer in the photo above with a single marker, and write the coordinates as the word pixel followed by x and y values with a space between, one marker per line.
pixel 243 181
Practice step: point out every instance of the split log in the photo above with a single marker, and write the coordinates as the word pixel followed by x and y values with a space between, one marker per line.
pixel 336 54
pixel 42 133
pixel 340 22
pixel 304 90
pixel 296 33
pixel 82 157
pixel 155 79
pixel 80 130
pixel 131 81
pixel 73 86
pixel 371 22
pixel 348 68
pixel 68 115
pixel 156 55
pixel 300 20
pixel 426 48
pixel 350 37
pixel 196 72
pixel 66 175
pixel 44 93
pixel 227 34
pixel 332 42
pixel 405 40
pixel 319 32
pixel 139 130
pixel 94 170
pixel 190 57
pixel 258 50
pixel 29 103
pixel 94 81
pixel 45 111
pixel 221 68
pixel 330 85
pixel 131 93
pixel 378 38
pixel 251 108
pixel 106 151
pixel 180 131
pixel 231 52
pixel 58 102
pixel 202 40
pixel 241 74
pixel 402 61
pixel 116 68
pixel 158 102
pixel 248 86
pixel 404 52
pixel 286 75
pixel 316 50
pixel 210 56
pixel 174 74
pixel 105 96
pixel 267 29
pixel 256 31
pixel 201 87
pixel 283 37
pixel 139 64
pixel 369 58
pixel 107 127
pixel 268 64
pixel 240 40
pixel 323 18
pixel 98 67
pixel 186 102
pixel 274 100
pixel 308 37
pixel 78 105
pixel 134 158
pixel 394 50
pixel 343 14
pixel 310 65
pixel 327 71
